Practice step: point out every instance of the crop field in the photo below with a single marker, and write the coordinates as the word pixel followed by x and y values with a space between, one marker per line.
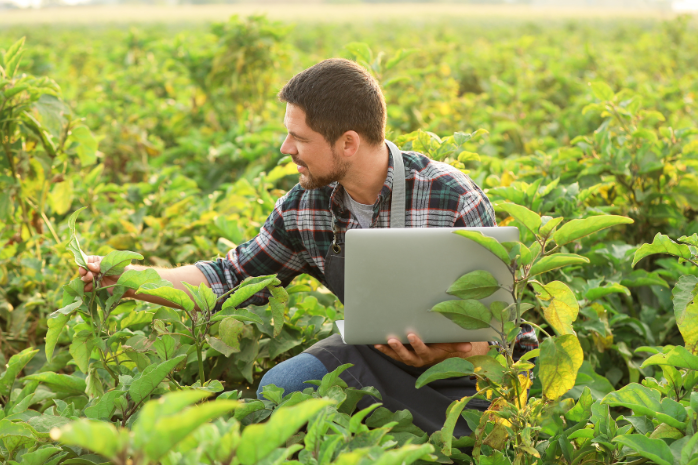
pixel 155 141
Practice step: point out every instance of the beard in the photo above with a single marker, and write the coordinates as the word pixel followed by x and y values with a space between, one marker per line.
pixel 339 169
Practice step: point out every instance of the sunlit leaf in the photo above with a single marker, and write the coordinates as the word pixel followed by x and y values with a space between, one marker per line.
pixel 560 359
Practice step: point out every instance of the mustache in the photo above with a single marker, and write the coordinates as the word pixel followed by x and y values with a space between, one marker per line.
pixel 299 163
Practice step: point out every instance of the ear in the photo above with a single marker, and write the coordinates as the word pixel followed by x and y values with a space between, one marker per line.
pixel 349 143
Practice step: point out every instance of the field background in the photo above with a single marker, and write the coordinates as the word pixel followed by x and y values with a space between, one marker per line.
pixel 169 132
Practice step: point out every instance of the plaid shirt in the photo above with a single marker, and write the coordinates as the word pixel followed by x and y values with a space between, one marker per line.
pixel 297 235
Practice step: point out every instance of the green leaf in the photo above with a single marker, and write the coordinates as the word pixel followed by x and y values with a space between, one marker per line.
pixel 555 261
pixel 548 224
pixel 115 262
pixel 686 310
pixel 474 285
pixel 61 197
pixel 560 359
pixel 59 382
pixel 104 408
pixel 519 252
pixel 142 387
pixel 406 454
pixel 692 239
pixel 601 91
pixel 677 356
pixel 259 440
pixel 87 145
pixel 239 314
pixel 203 296
pixel 487 367
pixel 133 279
pixel 452 415
pixel 652 449
pixel 81 349
pixel 636 397
pixel 220 346
pixel 468 314
pixel 40 456
pixel 562 309
pixel 12 58
pixel 662 244
pixel 73 244
pixel 487 242
pixel 156 438
pixel 277 314
pixel 15 435
pixel 576 229
pixel 246 291
pixel 175 296
pixel 98 436
pixel 14 366
pixel 612 288
pixel 523 215
pixel 230 331
pixel 450 368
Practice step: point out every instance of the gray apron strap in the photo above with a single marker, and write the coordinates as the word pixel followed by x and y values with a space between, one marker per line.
pixel 397 203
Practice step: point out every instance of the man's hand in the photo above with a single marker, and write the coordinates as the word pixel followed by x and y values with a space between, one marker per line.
pixel 93 269
pixel 430 354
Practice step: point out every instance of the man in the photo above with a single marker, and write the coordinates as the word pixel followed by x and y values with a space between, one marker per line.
pixel 335 117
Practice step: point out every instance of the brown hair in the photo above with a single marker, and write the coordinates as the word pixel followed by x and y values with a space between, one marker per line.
pixel 337 96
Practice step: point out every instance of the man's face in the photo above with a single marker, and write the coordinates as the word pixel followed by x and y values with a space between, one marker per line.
pixel 319 164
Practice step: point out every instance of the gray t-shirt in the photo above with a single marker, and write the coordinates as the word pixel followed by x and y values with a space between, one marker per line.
pixel 363 213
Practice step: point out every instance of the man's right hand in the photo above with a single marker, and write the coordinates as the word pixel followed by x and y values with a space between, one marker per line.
pixel 87 276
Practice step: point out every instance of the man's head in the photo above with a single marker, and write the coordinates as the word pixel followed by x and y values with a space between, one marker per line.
pixel 333 108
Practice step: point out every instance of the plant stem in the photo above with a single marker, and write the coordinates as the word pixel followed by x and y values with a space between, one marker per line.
pixel 201 363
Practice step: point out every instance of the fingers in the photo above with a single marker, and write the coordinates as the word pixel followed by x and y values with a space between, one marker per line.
pixel 93 268
pixel 407 357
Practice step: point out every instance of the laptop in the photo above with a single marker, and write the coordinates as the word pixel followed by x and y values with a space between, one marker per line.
pixel 393 277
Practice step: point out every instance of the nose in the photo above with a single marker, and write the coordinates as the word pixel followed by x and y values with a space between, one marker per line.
pixel 288 147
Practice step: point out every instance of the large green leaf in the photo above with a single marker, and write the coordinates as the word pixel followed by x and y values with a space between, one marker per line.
pixel 240 314
pixel 59 382
pixel 523 215
pixel 142 387
pixel 260 439
pixel 643 401
pixel 114 262
pixel 16 435
pixel 61 197
pixel 203 296
pixel 246 291
pixel 686 310
pixel 277 315
pixel 601 90
pixel 562 309
pixel 487 242
pixel 56 321
pixel 452 415
pixel 163 426
pixel 468 314
pixel 677 356
pixel 133 279
pixel 104 408
pixel 170 294
pixel 555 261
pixel 560 359
pixel 98 436
pixel 450 368
pixel 40 456
pixel 576 229
pixel 73 243
pixel 14 366
pixel 662 244
pixel 474 285
pixel 81 349
pixel 87 145
pixel 405 455
pixel 652 449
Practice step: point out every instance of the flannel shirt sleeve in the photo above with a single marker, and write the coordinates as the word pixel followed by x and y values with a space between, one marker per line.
pixel 525 341
pixel 272 251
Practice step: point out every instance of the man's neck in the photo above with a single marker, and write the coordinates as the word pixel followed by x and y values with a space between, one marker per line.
pixel 367 174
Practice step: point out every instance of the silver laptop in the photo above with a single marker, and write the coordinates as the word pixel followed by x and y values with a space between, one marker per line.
pixel 393 277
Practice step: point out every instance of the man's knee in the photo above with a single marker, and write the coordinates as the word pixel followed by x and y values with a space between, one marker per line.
pixel 292 374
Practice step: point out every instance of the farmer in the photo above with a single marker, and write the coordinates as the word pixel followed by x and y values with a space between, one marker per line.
pixel 335 117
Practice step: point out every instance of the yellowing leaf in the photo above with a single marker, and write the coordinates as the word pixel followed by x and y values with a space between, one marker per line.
pixel 560 359
pixel 562 309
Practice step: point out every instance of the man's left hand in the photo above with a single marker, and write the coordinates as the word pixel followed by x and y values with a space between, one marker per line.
pixel 430 354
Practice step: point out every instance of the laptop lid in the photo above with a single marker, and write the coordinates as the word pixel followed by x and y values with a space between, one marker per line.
pixel 393 277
